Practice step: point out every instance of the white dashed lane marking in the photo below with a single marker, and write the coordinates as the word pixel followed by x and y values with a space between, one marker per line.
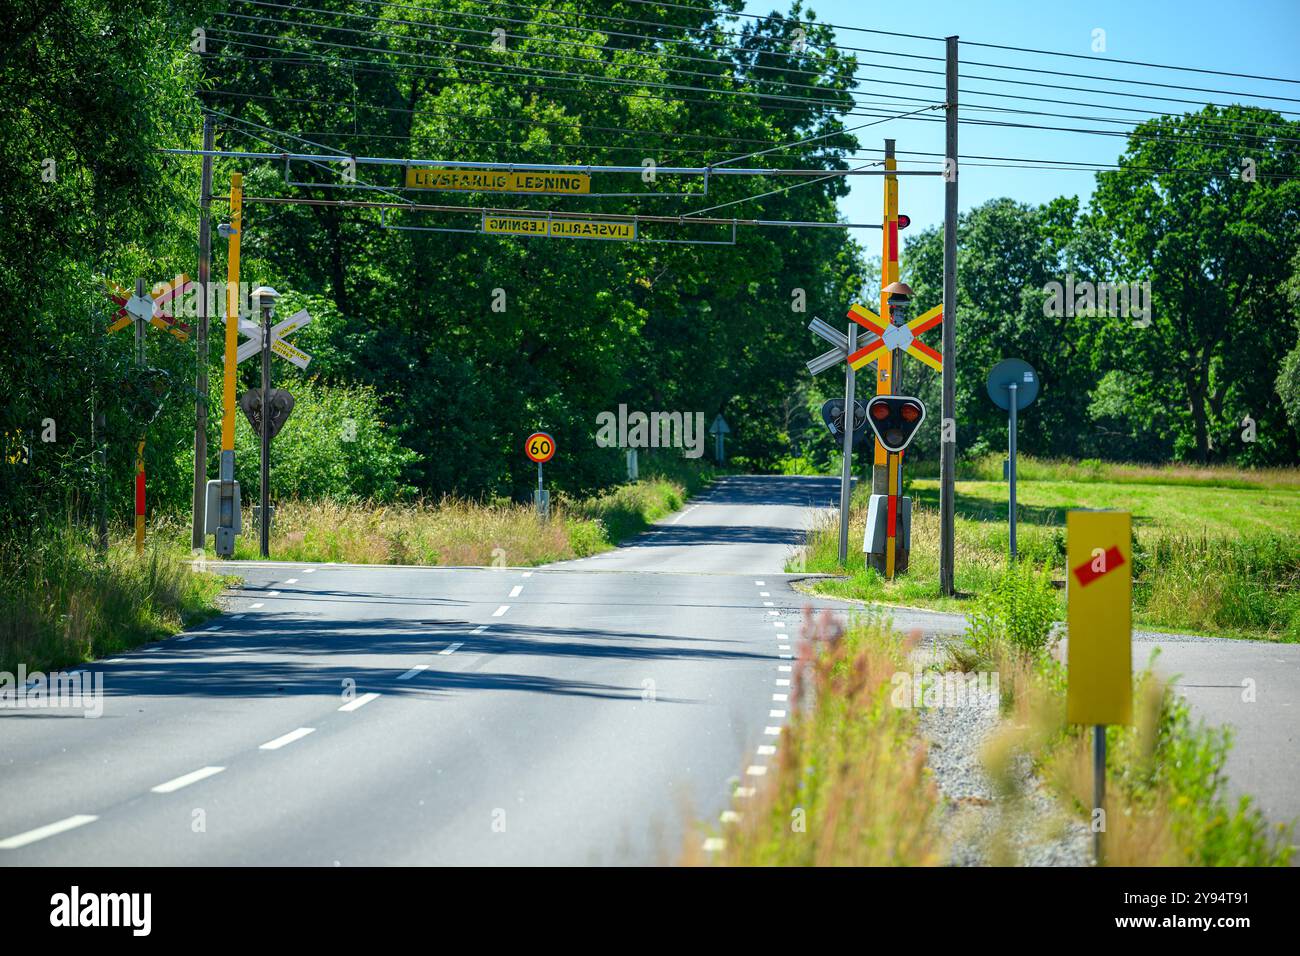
pixel 171 786
pixel 288 738
pixel 413 671
pixel 359 702
pixel 501 610
pixel 480 629
pixel 49 830
pixel 257 605
pixel 450 649
pixel 292 581
pixel 776 713
pixel 781 698
pixel 757 770
pixel 515 591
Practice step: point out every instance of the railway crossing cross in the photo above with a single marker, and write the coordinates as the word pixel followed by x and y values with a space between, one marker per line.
pixel 141 310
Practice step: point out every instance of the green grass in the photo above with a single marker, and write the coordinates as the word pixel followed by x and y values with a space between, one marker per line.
pixel 1215 559
pixel 62 603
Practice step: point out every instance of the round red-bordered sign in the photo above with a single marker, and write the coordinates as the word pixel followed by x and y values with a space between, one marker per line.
pixel 539 447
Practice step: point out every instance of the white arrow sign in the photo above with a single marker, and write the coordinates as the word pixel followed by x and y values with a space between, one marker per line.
pixel 279 346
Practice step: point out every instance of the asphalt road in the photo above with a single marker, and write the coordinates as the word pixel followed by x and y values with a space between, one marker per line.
pixel 583 713
pixel 343 715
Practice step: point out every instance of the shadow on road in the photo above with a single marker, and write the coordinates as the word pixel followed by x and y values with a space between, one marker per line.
pixel 228 669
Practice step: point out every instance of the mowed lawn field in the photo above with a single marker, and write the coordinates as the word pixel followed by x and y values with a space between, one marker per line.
pixel 1215 551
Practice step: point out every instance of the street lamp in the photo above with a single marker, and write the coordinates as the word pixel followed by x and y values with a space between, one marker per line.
pixel 898 295
pixel 265 297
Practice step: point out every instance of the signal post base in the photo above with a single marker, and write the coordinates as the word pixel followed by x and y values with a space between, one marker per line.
pixel 874 541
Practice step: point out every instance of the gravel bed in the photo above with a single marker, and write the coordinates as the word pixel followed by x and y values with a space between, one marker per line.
pixel 982 832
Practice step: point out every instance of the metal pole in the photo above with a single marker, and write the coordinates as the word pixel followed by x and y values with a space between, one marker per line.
pixel 224 543
pixel 197 530
pixel 1011 468
pixel 139 453
pixel 948 419
pixel 1098 789
pixel 846 472
pixel 264 525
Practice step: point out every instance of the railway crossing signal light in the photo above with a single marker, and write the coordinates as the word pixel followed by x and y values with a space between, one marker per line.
pixel 895 419
pixel 904 221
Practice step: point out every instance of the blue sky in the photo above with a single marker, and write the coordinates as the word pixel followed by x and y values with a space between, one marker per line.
pixel 1251 36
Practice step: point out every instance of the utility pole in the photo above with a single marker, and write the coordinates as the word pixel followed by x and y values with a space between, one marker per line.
pixel 948 418
pixel 846 473
pixel 198 530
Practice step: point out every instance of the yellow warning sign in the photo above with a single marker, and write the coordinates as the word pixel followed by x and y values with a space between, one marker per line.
pixel 1099 589
pixel 497 181
pixel 514 226
pixel 559 228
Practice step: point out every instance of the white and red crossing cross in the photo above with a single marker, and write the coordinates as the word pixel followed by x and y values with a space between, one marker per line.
pixel 163 293
pixel 887 336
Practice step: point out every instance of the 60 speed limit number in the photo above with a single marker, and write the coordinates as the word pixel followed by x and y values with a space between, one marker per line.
pixel 539 447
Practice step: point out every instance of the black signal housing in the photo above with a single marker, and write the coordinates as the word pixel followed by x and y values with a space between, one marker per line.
pixel 895 419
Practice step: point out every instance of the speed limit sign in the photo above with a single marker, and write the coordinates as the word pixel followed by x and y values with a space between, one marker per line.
pixel 539 447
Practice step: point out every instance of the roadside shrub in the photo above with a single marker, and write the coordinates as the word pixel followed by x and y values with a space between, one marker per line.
pixel 334 446
pixel 1019 609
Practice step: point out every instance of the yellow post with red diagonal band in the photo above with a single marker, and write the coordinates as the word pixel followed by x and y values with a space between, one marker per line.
pixel 888 274
pixel 232 313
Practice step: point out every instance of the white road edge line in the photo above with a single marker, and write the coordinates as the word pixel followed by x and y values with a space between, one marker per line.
pixel 186 779
pixel 49 830
pixel 413 671
pixel 359 702
pixel 288 738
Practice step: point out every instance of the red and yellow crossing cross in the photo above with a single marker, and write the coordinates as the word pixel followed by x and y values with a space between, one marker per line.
pixel 886 337
pixel 162 294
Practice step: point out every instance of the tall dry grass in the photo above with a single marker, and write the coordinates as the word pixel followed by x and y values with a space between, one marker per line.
pixel 457 532
pixel 448 532
pixel 1166 800
pixel 848 786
